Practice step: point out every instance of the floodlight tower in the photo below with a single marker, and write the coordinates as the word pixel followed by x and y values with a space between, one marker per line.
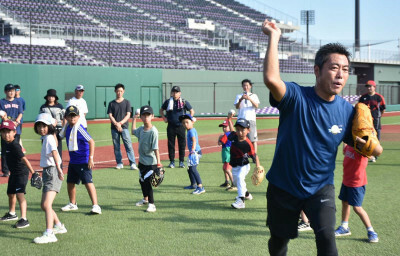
pixel 307 18
pixel 357 27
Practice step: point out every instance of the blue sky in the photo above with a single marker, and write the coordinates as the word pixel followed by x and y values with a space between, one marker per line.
pixel 334 20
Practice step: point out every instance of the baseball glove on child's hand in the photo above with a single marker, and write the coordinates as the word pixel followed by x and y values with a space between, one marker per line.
pixel 36 181
pixel 258 175
pixel 157 177
pixel 363 128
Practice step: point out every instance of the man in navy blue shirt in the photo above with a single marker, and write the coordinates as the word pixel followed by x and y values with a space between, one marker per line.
pixel 14 111
pixel 313 122
pixel 175 106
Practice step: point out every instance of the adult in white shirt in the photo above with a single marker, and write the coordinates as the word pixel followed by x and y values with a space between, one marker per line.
pixel 80 103
pixel 247 103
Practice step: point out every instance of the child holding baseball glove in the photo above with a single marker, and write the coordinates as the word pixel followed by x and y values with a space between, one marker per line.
pixel 149 154
pixel 19 168
pixel 241 149
pixel 194 154
pixel 53 176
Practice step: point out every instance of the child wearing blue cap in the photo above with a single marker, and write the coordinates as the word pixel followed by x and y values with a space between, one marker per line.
pixel 194 154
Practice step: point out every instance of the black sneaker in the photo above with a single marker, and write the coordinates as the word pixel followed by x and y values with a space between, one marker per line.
pixel 225 185
pixel 5 175
pixel 8 216
pixel 22 223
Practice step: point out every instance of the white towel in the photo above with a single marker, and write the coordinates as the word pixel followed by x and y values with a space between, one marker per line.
pixel 170 104
pixel 73 137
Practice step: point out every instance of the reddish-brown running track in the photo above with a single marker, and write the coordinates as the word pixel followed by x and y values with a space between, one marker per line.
pixel 104 156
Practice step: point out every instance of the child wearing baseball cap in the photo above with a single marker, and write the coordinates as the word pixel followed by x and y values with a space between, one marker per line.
pixel 226 155
pixel 19 168
pixel 81 151
pixel 149 155
pixel 194 154
pixel 53 176
pixel 241 149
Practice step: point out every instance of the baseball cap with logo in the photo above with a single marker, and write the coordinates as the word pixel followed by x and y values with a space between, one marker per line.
pixel 185 116
pixel 146 109
pixel 72 110
pixel 8 125
pixel 176 89
pixel 79 87
pixel 224 124
pixel 371 83
pixel 242 122
pixel 8 87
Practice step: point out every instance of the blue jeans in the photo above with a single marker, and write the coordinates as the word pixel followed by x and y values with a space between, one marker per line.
pixel 126 139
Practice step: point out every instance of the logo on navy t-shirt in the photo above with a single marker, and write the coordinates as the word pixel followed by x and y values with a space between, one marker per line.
pixel 336 129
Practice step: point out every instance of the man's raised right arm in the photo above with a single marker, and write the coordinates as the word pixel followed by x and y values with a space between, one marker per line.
pixel 272 78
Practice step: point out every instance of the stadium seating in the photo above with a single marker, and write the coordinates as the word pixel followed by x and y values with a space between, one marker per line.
pixel 139 29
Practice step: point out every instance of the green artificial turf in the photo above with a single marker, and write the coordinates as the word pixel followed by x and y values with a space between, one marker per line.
pixel 186 224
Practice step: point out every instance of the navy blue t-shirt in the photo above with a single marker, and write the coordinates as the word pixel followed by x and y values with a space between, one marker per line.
pixel 13 109
pixel 177 110
pixel 310 131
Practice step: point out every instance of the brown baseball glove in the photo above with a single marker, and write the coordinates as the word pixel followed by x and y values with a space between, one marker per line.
pixel 258 175
pixel 363 128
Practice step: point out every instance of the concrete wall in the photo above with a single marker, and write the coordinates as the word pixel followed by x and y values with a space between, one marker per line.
pixel 388 79
pixel 198 87
pixel 35 80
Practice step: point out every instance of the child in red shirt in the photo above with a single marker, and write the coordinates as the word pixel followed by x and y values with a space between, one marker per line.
pixel 352 192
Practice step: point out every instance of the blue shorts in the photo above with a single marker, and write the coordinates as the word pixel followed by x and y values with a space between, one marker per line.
pixel 78 173
pixel 354 196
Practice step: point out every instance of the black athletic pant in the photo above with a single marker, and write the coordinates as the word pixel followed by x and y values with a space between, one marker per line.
pixel 145 184
pixel 179 132
pixel 283 214
pixel 4 166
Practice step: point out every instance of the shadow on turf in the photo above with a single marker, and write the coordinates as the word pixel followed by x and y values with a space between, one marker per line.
pixel 212 224
pixel 13 233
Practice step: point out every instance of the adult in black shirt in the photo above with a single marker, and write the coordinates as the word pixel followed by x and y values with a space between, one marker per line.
pixel 175 106
pixel 57 111
pixel 119 112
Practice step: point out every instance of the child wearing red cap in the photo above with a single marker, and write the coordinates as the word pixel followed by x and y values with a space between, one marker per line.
pixel 19 168
pixel 226 155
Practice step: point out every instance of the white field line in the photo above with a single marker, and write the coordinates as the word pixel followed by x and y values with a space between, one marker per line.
pixel 132 137
pixel 166 153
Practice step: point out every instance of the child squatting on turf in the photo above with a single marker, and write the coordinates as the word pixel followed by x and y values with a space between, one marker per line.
pixel 149 155
pixel 226 155
pixel 53 176
pixel 352 192
pixel 241 150
pixel 194 154
pixel 81 150
pixel 18 165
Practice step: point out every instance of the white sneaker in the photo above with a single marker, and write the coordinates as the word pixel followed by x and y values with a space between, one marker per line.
pixel 96 209
pixel 238 204
pixel 151 208
pixel 119 166
pixel 249 197
pixel 69 207
pixel 134 167
pixel 59 230
pixel 46 238
pixel 142 202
